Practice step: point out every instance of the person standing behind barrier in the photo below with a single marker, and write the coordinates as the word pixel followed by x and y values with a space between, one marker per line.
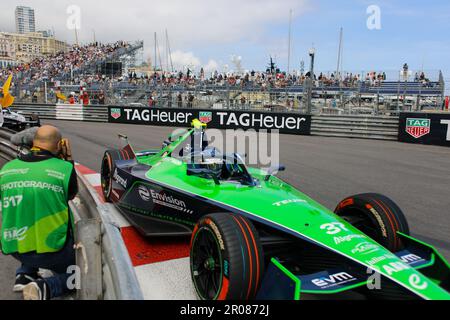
pixel 37 225
pixel 85 98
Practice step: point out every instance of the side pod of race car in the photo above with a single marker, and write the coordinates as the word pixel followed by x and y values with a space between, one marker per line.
pixel 253 236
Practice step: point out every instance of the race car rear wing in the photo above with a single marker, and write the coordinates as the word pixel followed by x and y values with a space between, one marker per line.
pixel 126 151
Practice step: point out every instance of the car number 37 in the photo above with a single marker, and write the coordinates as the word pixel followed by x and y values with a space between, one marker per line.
pixel 333 228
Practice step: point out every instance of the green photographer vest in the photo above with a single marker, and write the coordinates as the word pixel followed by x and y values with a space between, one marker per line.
pixel 34 202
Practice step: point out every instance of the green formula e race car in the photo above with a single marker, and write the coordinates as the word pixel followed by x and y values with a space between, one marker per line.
pixel 254 236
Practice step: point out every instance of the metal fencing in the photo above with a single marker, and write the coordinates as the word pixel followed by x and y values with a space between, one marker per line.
pixel 390 98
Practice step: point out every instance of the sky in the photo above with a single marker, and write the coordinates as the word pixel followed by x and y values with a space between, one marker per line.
pixel 209 32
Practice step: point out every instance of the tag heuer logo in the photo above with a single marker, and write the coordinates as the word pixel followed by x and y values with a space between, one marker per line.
pixel 115 113
pixel 418 127
pixel 205 117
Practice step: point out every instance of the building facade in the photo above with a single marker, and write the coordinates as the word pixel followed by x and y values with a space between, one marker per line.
pixel 25 21
pixel 23 48
pixel 7 51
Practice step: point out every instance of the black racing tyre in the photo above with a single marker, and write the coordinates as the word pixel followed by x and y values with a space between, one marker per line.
pixel 106 174
pixel 377 216
pixel 226 257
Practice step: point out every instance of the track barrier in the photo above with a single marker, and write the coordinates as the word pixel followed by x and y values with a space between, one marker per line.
pixel 346 126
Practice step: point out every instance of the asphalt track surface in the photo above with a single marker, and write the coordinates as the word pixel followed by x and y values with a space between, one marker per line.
pixel 416 177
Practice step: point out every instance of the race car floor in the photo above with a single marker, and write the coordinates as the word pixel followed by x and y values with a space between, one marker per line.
pixel 416 177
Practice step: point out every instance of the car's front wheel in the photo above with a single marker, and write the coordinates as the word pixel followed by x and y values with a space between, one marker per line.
pixel 377 216
pixel 227 261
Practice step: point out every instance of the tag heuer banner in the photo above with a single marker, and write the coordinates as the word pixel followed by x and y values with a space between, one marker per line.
pixel 425 128
pixel 289 123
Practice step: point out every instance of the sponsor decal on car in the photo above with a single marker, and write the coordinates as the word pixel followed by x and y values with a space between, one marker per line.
pixel 417 282
pixel 205 117
pixel 217 233
pixel 333 280
pixel 116 113
pixel 418 128
pixel 379 220
pixel 394 267
pixel 333 228
pixel 123 182
pixel 411 258
pixel 165 200
pixel 338 240
pixel 290 201
pixel 365 248
pixel 376 260
pixel 144 193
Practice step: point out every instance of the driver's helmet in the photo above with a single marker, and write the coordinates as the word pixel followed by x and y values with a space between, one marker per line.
pixel 210 158
pixel 213 165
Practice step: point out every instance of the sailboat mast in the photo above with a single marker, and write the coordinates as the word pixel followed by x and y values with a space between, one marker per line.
pixel 289 43
pixel 159 55
pixel 339 62
pixel 169 51
pixel 156 58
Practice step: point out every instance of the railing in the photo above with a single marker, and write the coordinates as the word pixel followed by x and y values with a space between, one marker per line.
pixel 348 126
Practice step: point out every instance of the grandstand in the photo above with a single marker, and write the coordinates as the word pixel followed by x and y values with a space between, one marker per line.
pixel 102 71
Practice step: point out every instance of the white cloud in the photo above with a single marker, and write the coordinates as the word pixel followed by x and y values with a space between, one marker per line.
pixel 185 59
pixel 182 60
pixel 191 24
pixel 211 66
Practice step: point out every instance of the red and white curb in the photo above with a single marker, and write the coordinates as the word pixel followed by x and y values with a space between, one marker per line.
pixel 161 266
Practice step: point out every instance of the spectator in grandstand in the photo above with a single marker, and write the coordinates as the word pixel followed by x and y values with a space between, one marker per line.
pixel 101 98
pixel 72 98
pixel 243 100
pixel 190 99
pixel 151 101
pixel 85 98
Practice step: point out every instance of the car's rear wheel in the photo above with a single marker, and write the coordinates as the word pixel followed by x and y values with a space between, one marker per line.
pixel 227 261
pixel 377 216
pixel 106 175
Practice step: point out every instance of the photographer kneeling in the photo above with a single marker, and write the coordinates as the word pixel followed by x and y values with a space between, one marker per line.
pixel 37 226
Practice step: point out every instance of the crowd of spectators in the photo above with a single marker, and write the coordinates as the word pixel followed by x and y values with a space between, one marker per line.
pixel 75 67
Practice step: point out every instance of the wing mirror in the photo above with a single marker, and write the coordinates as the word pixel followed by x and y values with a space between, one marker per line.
pixel 274 170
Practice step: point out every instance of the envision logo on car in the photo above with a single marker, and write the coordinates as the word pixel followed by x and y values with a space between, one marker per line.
pixel 144 193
